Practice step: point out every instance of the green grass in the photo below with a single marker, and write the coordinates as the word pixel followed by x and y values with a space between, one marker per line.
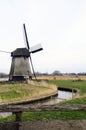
pixel 8 119
pixel 81 85
pixel 48 115
pixel 55 115
pixel 75 101
pixel 69 83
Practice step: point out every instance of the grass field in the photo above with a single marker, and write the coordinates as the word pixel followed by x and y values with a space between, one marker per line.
pixel 48 115
pixel 55 115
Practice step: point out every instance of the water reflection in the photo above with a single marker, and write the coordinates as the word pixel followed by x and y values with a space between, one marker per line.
pixel 5 114
pixel 62 96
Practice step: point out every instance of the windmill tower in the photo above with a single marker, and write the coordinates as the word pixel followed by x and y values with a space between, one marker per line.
pixel 21 61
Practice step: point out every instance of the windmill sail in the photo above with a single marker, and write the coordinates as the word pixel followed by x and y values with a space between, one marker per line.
pixel 36 48
pixel 29 50
pixel 27 43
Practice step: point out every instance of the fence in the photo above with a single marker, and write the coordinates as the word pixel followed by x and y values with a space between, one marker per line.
pixel 19 109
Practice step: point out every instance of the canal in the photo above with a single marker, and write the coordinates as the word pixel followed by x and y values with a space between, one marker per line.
pixel 62 95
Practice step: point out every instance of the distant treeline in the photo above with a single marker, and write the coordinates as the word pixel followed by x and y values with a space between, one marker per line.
pixel 3 75
pixel 54 73
pixel 76 74
pixel 58 73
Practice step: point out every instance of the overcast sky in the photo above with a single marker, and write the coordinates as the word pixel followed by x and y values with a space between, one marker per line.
pixel 59 25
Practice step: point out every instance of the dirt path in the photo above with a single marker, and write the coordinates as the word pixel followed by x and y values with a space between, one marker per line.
pixel 55 125
pixel 45 125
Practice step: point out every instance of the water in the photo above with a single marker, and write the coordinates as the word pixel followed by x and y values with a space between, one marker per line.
pixel 4 79
pixel 5 114
pixel 62 96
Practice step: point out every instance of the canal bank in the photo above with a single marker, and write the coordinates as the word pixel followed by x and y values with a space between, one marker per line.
pixel 15 93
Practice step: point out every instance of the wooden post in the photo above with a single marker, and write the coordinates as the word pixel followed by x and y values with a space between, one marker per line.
pixel 18 116
pixel 72 93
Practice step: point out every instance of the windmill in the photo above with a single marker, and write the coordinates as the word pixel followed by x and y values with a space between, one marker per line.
pixel 21 61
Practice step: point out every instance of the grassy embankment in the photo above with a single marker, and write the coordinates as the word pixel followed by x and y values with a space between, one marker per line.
pixel 19 92
pixel 51 115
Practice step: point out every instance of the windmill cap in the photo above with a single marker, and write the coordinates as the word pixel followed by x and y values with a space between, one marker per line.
pixel 19 52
